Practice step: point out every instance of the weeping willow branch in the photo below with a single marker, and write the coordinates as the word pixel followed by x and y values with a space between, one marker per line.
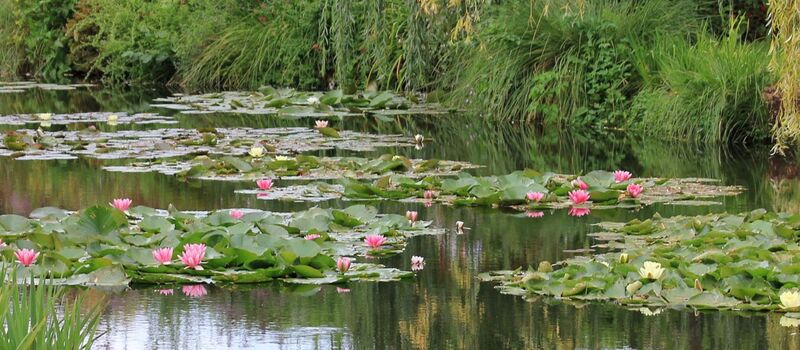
pixel 784 18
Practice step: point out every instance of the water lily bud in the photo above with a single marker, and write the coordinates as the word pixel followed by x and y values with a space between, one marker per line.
pixel 633 287
pixel 698 285
pixel 623 258
pixel 545 266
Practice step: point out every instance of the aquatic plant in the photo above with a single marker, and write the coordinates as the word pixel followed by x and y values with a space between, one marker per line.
pixel 741 261
pixel 785 49
pixel 103 246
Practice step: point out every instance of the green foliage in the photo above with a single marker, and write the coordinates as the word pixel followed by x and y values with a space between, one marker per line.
pixel 40 316
pixel 583 48
pixel 708 91
pixel 38 36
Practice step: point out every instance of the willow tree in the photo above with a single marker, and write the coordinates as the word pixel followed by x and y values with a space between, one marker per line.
pixel 785 29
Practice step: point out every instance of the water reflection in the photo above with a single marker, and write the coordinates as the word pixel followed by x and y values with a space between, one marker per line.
pixel 444 306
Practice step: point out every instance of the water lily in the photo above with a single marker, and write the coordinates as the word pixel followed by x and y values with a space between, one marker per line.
pixel 459 227
pixel 45 124
pixel 651 270
pixel 634 190
pixel 419 139
pixel 314 100
pixel 429 194
pixel 623 258
pixel 790 299
pixel 534 214
pixel 256 152
pixel 578 196
pixel 236 214
pixel 283 158
pixel 343 264
pixel 341 290
pixel 417 263
pixel 578 212
pixel 535 196
pixel 312 236
pixel 165 291
pixel 411 216
pixel 264 184
pixel 633 287
pixel 26 257
pixel 194 291
pixel 3 244
pixel 580 184
pixel 319 124
pixel 427 204
pixel 163 255
pixel 374 241
pixel 44 116
pixel 121 203
pixel 621 176
pixel 647 312
pixel 112 119
pixel 193 255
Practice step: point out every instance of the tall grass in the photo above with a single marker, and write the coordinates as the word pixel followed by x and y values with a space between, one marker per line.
pixel 10 57
pixel 708 91
pixel 39 316
pixel 562 61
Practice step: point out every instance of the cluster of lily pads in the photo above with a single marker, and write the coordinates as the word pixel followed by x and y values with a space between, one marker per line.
pixel 292 103
pixel 46 120
pixel 526 190
pixel 300 167
pixel 21 86
pixel 116 245
pixel 747 261
pixel 165 143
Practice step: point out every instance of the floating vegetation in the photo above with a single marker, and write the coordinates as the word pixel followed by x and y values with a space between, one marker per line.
pixel 166 143
pixel 21 86
pixel 530 190
pixel 744 261
pixel 291 103
pixel 300 167
pixel 104 246
pixel 47 119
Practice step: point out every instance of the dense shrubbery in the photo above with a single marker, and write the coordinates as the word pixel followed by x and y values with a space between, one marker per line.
pixel 668 67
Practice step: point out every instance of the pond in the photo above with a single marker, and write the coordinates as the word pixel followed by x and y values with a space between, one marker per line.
pixel 445 306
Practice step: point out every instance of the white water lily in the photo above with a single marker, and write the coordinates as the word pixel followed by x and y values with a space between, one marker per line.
pixel 459 227
pixel 314 100
pixel 651 270
pixel 633 287
pixel 112 119
pixel 647 312
pixel 319 124
pixel 790 299
pixel 45 124
pixel 44 116
pixel 283 158
pixel 789 321
pixel 256 152
pixel 419 139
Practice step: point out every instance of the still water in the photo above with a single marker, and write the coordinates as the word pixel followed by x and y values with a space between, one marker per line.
pixel 445 306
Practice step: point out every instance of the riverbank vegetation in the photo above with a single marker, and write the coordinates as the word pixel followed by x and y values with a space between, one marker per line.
pixel 696 70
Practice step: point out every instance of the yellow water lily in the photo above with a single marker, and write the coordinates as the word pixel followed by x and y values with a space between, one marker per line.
pixel 623 258
pixel 112 119
pixel 45 124
pixel 256 152
pixel 790 299
pixel 283 158
pixel 44 116
pixel 651 270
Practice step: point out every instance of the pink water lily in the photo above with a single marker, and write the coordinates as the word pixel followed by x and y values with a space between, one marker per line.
pixel 429 194
pixel 264 184
pixel 580 184
pixel 165 291
pixel 236 214
pixel 412 216
pixel 635 190
pixel 343 264
pixel 621 176
pixel 193 255
pixel 374 241
pixel 417 263
pixel 534 214
pixel 312 236
pixel 535 196
pixel 3 244
pixel 26 257
pixel 341 290
pixel 319 124
pixel 194 291
pixel 163 255
pixel 121 203
pixel 428 204
pixel 578 196
pixel 578 212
